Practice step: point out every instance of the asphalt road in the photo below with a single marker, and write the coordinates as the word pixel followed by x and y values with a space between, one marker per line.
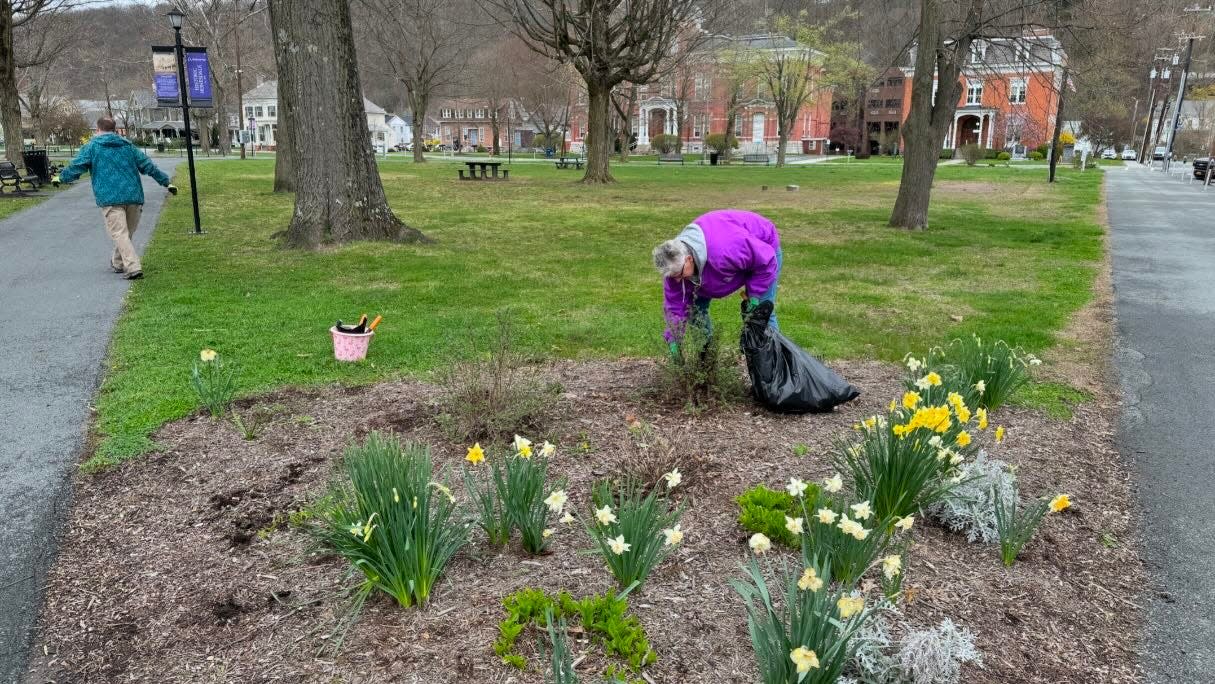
pixel 1163 241
pixel 58 303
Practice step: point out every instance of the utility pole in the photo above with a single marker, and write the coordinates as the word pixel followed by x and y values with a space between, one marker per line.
pixel 1135 120
pixel 240 89
pixel 1147 130
pixel 1185 72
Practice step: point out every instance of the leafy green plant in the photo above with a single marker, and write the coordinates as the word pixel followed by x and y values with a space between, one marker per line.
pixel 604 617
pixel 392 520
pixel 764 510
pixel 848 535
pixel 721 143
pixel 251 427
pixel 633 532
pixel 513 493
pixel 495 394
pixel 805 635
pixel 214 381
pixel 1017 525
pixel 666 143
pixel 971 153
pixel 801 450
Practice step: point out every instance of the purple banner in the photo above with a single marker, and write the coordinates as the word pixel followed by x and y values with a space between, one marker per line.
pixel 165 77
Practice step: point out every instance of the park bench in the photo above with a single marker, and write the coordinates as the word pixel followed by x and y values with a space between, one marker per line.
pixel 671 157
pixel 10 177
pixel 756 159
pixel 569 163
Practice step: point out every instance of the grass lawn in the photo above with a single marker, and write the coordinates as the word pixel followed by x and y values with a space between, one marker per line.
pixel 1007 256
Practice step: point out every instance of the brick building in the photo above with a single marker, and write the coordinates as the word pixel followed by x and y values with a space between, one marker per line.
pixel 1010 93
pixel 880 114
pixel 699 93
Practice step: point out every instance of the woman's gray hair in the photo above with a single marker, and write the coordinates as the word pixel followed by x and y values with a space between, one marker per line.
pixel 670 257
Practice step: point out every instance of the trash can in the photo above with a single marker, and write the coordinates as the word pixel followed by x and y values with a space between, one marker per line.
pixel 38 164
pixel 160 147
pixel 713 158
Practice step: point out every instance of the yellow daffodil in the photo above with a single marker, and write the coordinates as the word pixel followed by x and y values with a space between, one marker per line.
pixel 905 523
pixel 860 534
pixel 520 442
pixel 369 528
pixel 999 434
pixel 894 405
pixel 981 414
pixel 547 449
pixel 805 659
pixel 833 484
pixel 810 581
pixel 207 355
pixel 826 516
pixel 963 438
pixel 619 545
pixel 567 518
pixel 548 532
pixel 556 500
pixel 673 535
pixel 869 423
pixel 673 478
pixel 914 364
pixel 442 488
pixel 1060 503
pixel 910 400
pixel 760 543
pixel 605 516
pixel 849 606
pixel 933 379
pixel 525 451
pixel 396 498
pixel 962 412
pixel 848 526
pixel 901 431
pixel 892 566
pixel 861 511
pixel 954 399
pixel 475 454
pixel 795 487
pixel 357 529
pixel 981 386
pixel 794 525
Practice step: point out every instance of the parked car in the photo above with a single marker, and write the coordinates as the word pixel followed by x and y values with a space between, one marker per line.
pixel 1109 154
pixel 1129 154
pixel 1160 153
pixel 1200 168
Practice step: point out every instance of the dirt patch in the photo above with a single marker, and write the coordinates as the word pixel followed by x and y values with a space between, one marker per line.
pixel 182 568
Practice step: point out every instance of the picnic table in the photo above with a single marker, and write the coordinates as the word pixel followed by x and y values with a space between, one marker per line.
pixel 569 163
pixel 486 168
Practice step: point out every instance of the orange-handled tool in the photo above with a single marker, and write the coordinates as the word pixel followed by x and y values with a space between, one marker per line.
pixel 375 322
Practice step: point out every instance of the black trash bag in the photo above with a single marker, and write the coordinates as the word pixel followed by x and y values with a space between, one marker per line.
pixel 784 377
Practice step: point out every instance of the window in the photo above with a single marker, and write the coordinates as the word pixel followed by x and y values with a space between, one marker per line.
pixel 480 113
pixel 978 52
pixel 874 104
pixel 974 93
pixel 257 111
pixel 272 110
pixel 738 126
pixel 1016 91
pixel 895 82
pixel 894 103
pixel 702 86
pixel 248 110
pixel 445 113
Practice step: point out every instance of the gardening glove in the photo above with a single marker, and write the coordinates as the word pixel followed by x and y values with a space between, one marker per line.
pixel 674 347
pixel 172 189
pixel 752 303
pixel 55 181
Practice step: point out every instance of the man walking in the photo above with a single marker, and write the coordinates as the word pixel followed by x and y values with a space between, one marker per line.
pixel 115 164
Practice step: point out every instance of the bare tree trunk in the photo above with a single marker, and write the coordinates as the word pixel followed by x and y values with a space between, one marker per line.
pixel 494 131
pixel 1055 148
pixel 417 108
pixel 782 139
pixel 339 197
pixel 598 138
pixel 927 121
pixel 284 153
pixel 221 118
pixel 10 104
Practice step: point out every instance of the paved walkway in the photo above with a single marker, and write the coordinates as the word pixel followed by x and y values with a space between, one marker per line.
pixel 58 306
pixel 1163 241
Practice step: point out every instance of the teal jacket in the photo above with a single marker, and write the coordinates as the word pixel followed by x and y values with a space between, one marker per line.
pixel 115 165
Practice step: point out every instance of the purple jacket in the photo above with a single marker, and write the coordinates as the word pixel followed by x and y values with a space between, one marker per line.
pixel 739 251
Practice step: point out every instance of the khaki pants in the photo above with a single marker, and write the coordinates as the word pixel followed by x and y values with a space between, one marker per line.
pixel 120 222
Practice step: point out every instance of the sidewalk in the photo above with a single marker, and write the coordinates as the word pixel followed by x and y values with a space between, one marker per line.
pixel 59 305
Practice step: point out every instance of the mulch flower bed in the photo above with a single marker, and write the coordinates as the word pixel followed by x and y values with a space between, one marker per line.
pixel 184 567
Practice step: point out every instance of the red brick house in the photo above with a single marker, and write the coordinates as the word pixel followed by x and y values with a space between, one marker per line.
pixel 699 93
pixel 1010 93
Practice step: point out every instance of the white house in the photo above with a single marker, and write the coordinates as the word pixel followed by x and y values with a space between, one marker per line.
pixel 261 118
pixel 402 131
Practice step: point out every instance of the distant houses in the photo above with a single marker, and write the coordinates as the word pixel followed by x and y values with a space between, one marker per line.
pixel 260 119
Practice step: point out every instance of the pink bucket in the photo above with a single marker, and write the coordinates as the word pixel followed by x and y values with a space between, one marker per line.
pixel 350 346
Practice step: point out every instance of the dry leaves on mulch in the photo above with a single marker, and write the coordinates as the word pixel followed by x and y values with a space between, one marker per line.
pixel 182 567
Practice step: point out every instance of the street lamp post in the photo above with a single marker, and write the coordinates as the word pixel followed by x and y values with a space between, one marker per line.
pixel 175 20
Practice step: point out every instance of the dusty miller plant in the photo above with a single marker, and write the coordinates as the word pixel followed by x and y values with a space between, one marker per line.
pixel 970 507
pixel 919 656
